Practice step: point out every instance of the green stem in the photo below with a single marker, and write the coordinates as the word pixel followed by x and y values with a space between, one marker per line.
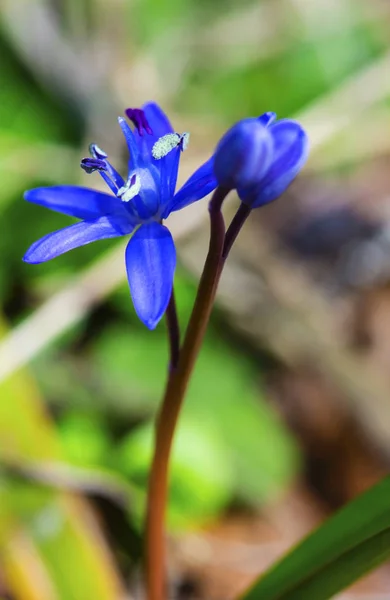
pixel 173 398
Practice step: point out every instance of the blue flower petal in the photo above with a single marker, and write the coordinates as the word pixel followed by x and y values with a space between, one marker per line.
pixel 201 183
pixel 160 125
pixel 173 164
pixel 150 264
pixel 136 158
pixel 165 183
pixel 169 167
pixel 291 149
pixel 267 118
pixel 75 201
pixel 76 235
pixel 158 122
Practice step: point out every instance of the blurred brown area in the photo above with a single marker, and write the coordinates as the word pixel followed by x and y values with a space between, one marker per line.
pixel 220 563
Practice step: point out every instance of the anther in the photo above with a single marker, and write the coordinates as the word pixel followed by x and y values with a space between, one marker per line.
pixel 165 144
pixel 132 187
pixel 184 140
pixel 138 118
pixel 89 165
pixel 97 152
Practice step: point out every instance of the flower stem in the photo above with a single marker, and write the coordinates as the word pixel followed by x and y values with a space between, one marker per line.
pixel 234 228
pixel 173 332
pixel 173 398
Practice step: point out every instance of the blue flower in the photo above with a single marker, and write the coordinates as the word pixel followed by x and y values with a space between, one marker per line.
pixel 136 206
pixel 267 156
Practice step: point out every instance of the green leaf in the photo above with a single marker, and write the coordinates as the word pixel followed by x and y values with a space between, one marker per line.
pixel 339 552
pixel 201 476
pixel 39 526
pixel 222 396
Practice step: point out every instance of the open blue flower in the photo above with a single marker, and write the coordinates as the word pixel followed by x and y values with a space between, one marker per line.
pixel 136 206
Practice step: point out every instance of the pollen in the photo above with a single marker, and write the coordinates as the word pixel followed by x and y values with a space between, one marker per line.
pixel 165 144
pixel 184 140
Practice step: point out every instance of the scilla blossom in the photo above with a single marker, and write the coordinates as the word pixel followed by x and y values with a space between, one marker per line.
pixel 136 206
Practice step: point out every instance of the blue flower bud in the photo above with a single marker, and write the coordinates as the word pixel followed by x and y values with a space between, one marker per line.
pixel 290 152
pixel 267 118
pixel 243 155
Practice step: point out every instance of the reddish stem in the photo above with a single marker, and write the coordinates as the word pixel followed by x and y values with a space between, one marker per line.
pixel 234 228
pixel 173 398
pixel 173 332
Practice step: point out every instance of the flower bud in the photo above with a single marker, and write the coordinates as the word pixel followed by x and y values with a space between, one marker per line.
pixel 243 155
pixel 290 152
pixel 267 118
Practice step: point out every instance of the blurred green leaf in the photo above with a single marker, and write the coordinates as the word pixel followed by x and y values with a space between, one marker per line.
pixel 286 80
pixel 84 438
pixel 343 549
pixel 156 20
pixel 223 397
pixel 201 474
pixel 40 526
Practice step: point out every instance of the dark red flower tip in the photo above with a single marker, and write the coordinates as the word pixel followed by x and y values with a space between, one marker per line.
pixel 139 120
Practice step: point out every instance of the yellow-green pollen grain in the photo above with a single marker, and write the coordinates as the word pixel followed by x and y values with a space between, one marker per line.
pixel 165 144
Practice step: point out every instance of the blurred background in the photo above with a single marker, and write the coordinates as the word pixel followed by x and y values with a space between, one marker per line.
pixel 288 413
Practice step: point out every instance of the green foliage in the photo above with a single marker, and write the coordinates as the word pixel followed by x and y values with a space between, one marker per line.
pixel 39 526
pixel 202 479
pixel 223 398
pixel 85 438
pixel 343 549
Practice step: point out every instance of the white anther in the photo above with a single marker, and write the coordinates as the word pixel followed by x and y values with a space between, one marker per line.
pixel 97 152
pixel 185 138
pixel 131 189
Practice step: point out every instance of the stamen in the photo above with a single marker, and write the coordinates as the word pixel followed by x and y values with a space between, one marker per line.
pixel 130 189
pixel 165 144
pixel 138 118
pixel 97 152
pixel 89 165
pixel 184 140
pixel 99 162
